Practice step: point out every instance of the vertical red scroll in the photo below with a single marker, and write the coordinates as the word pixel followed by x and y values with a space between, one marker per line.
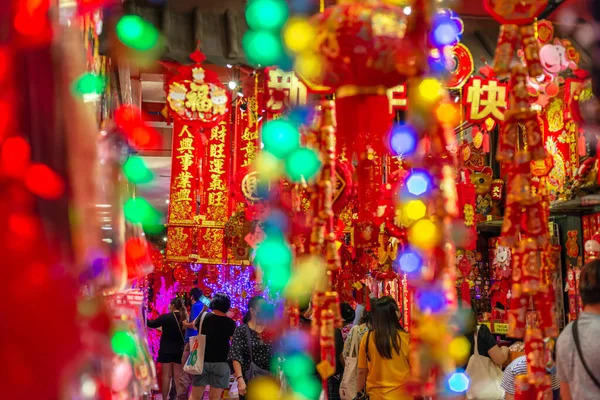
pixel 183 192
pixel 214 199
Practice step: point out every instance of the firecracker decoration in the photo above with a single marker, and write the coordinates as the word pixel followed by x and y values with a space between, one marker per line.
pixel 322 241
pixel 517 29
pixel 196 100
pixel 523 156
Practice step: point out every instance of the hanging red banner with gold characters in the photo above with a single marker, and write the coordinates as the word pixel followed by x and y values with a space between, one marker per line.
pixel 183 192
pixel 246 147
pixel 196 99
pixel 215 202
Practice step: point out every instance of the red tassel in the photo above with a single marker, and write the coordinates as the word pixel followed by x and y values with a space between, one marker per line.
pixel 486 142
pixel 581 145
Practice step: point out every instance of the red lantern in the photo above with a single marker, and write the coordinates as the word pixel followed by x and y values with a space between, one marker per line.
pixel 366 47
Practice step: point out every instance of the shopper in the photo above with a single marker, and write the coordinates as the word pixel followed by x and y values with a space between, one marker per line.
pixel 185 379
pixel 218 329
pixel 519 367
pixel 250 345
pixel 360 330
pixel 348 315
pixel 383 357
pixel 578 348
pixel 171 342
pixel 350 356
pixel 485 361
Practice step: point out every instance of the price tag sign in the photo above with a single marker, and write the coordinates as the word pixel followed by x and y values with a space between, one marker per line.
pixel 500 328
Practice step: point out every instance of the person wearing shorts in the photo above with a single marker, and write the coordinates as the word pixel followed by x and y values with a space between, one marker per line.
pixel 218 328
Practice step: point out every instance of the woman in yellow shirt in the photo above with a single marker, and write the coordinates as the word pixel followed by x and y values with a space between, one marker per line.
pixel 383 356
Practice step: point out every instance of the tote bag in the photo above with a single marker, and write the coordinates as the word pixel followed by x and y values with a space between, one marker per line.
pixel 195 362
pixel 486 377
pixel 348 384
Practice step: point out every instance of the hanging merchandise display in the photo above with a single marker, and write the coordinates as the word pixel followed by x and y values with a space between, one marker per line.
pixel 525 227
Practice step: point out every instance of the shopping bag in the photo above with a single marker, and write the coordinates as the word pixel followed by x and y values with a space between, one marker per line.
pixel 348 385
pixel 486 377
pixel 195 362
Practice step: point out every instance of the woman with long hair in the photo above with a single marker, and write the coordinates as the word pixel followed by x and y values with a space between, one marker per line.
pixel 171 342
pixel 383 357
pixel 251 333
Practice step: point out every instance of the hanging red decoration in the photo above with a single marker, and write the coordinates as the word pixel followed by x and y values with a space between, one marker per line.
pixel 462 66
pixel 195 96
pixel 365 49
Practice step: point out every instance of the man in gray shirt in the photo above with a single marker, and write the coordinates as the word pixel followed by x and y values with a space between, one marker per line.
pixel 575 381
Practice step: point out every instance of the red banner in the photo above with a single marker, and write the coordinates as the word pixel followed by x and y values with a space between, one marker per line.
pixel 215 202
pixel 183 192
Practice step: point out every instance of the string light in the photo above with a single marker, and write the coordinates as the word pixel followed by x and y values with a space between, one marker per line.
pixel 123 343
pixel 415 209
pixel 268 15
pixel 403 139
pixel 136 171
pixel 89 86
pixel 136 33
pixel 302 164
pixel 459 349
pixel 262 48
pixel 424 234
pixel 235 281
pixel 410 261
pixel 232 85
pixel 298 34
pixel 430 90
pixel 458 382
pixel 431 299
pixel 418 182
pixel 280 137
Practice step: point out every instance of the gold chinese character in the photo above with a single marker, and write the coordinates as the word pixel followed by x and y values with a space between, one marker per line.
pixel 197 98
pixel 183 180
pixel 185 131
pixel 486 100
pixel 178 235
pixel 249 134
pixel 186 160
pixel 293 90
pixel 213 235
pixel 397 98
pixel 217 150
pixel 218 132
pixel 216 183
pixel 186 144
pixel 250 151
pixel 182 195
pixel 217 199
pixel 216 166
